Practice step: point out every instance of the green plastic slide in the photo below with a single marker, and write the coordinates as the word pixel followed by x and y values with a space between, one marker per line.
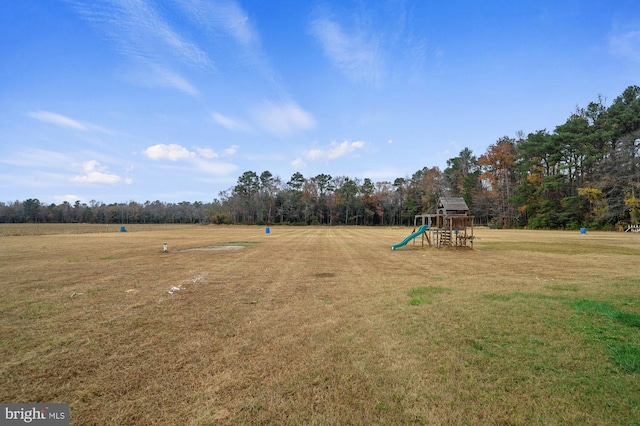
pixel 410 237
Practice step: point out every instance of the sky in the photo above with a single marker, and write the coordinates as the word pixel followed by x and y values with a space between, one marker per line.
pixel 139 100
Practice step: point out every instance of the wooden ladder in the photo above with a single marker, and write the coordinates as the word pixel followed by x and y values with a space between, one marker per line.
pixel 445 238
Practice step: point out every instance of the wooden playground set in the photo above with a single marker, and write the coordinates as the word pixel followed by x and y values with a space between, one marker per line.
pixel 450 226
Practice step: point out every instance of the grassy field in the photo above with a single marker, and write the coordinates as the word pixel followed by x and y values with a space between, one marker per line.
pixel 311 325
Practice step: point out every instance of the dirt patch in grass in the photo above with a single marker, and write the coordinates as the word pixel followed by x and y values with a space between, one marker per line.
pixel 314 325
pixel 238 245
pixel 212 248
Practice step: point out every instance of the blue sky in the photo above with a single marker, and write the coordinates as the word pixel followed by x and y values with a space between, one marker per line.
pixel 119 100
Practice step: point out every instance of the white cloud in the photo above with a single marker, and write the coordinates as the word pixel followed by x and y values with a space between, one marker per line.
pixel 283 119
pixel 298 163
pixel 91 166
pixel 172 152
pixel 207 153
pixel 230 151
pixel 334 151
pixel 58 120
pixel 200 160
pixel 95 173
pixel 175 152
pixel 97 177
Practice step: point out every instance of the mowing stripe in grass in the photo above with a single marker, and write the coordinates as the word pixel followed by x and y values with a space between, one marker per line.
pixel 518 294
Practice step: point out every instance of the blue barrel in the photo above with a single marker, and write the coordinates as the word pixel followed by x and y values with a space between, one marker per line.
pixel 583 230
pixel 267 230
pixel 123 229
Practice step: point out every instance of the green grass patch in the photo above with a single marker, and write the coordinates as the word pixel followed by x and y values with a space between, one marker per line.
pixel 627 356
pixel 415 301
pixel 616 329
pixel 500 297
pixel 109 257
pixel 420 295
pixel 629 319
pixel 325 275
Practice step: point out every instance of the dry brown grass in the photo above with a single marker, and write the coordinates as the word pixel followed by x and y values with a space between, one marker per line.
pixel 314 326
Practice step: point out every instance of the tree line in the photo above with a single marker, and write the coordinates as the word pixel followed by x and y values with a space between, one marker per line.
pixel 583 173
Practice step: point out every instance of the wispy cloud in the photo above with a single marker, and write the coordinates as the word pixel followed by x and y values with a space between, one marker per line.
pixel 141 34
pixel 335 150
pixel 626 44
pixel 38 158
pixel 355 51
pixel 283 119
pixel 66 122
pixel 223 15
pixel 227 19
pixel 58 120
pixel 371 44
pixel 164 77
pixel 214 167
pixel 229 122
pixel 34 178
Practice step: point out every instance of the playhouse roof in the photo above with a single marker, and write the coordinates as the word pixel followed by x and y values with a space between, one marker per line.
pixel 453 204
